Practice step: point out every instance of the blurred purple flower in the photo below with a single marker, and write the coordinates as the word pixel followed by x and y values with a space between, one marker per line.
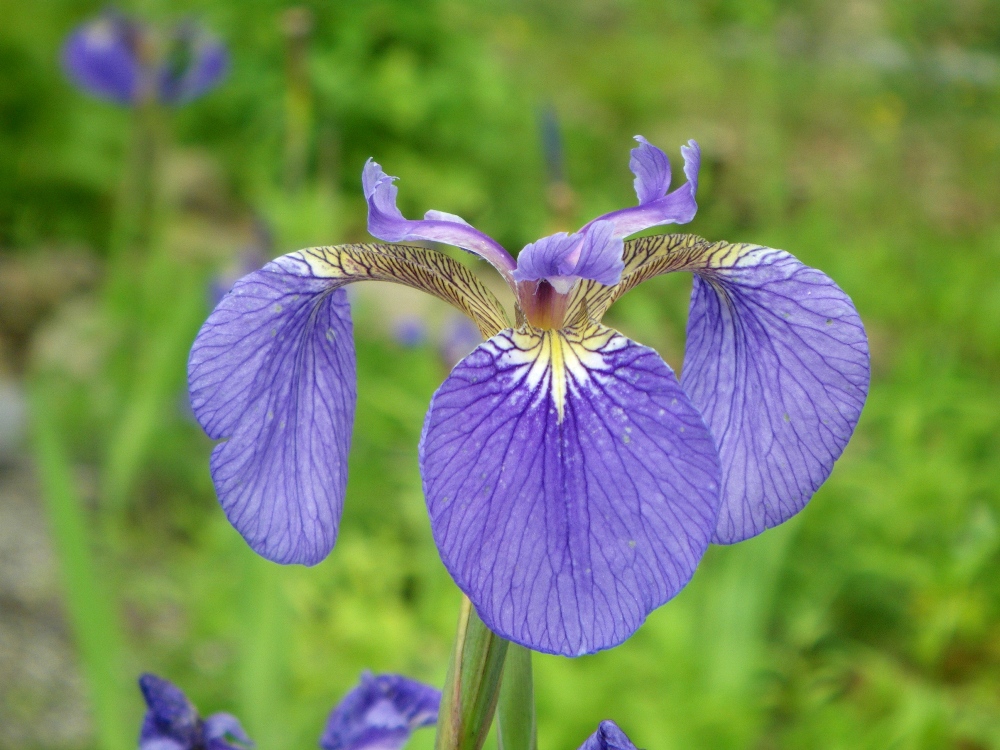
pixel 120 59
pixel 380 714
pixel 460 337
pixel 409 331
pixel 249 258
pixel 608 737
pixel 173 723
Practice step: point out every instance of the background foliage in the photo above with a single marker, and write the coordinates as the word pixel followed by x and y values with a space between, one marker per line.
pixel 863 136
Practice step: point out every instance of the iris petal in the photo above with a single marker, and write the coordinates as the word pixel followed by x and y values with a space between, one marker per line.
pixel 386 222
pixel 572 486
pixel 273 371
pixel 608 737
pixel 171 719
pixel 777 361
pixel 563 258
pixel 380 714
pixel 651 168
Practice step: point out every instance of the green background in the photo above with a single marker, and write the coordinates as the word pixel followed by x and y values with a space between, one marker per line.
pixel 862 136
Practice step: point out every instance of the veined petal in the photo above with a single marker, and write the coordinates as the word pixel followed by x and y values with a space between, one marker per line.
pixel 572 486
pixel 272 371
pixel 608 736
pixel 380 714
pixel 678 207
pixel 777 361
pixel 642 259
pixel 386 222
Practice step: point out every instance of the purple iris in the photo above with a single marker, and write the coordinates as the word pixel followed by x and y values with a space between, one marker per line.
pixel 120 59
pixel 573 483
pixel 172 722
pixel 380 714
pixel 608 737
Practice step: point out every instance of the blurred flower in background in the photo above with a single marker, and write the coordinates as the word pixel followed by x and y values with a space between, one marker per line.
pixel 608 736
pixel 460 337
pixel 126 61
pixel 172 722
pixel 381 713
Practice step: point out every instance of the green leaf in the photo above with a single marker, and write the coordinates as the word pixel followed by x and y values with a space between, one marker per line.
pixel 91 609
pixel 516 710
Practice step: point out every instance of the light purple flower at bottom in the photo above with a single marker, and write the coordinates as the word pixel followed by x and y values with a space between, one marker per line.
pixel 172 722
pixel 608 737
pixel 380 713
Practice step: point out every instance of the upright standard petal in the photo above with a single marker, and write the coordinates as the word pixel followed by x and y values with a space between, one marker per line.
pixel 103 58
pixel 387 223
pixel 651 168
pixel 777 361
pixel 572 486
pixel 272 373
pixel 380 714
pixel 608 736
pixel 656 206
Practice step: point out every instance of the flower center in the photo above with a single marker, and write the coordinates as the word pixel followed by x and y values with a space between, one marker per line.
pixel 543 306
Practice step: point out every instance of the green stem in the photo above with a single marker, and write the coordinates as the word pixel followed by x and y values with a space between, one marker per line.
pixel 91 611
pixel 472 686
pixel 516 710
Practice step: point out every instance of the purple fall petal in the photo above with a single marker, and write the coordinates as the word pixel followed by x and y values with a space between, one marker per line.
pixel 777 361
pixel 572 486
pixel 387 223
pixel 608 737
pixel 678 207
pixel 103 58
pixel 380 714
pixel 273 372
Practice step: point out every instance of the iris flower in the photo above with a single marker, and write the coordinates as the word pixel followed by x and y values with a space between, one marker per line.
pixel 173 723
pixel 573 482
pixel 608 736
pixel 120 59
pixel 380 714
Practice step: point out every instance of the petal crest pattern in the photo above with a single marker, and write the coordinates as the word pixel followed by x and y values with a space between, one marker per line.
pixel 272 371
pixel 572 486
pixel 777 362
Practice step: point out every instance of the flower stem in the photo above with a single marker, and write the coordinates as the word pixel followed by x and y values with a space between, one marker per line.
pixel 516 709
pixel 472 687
